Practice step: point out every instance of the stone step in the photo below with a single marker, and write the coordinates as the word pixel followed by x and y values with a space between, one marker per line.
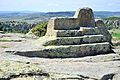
pixel 76 40
pixel 63 23
pixel 75 33
pixel 68 33
pixel 69 51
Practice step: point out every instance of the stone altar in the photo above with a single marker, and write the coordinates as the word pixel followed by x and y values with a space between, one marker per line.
pixel 76 36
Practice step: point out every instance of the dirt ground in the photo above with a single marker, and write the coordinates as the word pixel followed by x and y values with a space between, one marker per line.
pixel 12 39
pixel 92 66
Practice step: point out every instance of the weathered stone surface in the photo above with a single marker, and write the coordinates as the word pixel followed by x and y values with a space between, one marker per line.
pixel 116 76
pixel 61 24
pixel 76 40
pixel 68 51
pixel 83 31
pixel 99 23
pixel 65 23
pixel 68 33
pixel 103 30
pixel 85 17
pixel 85 68
pixel 90 31
pixel 13 69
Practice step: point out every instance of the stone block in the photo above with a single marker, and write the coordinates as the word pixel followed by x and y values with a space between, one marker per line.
pixel 65 23
pixel 85 17
pixel 68 33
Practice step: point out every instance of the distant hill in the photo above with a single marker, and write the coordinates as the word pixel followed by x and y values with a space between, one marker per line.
pixel 11 21
pixel 106 14
pixel 34 17
pixel 100 14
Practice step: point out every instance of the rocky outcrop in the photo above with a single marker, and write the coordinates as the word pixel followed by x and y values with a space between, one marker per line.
pixel 13 70
pixel 100 67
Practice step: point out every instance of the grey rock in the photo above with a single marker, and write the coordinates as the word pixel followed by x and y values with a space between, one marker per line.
pixel 99 23
pixel 100 67
pixel 85 17
pixel 103 30
pixel 14 69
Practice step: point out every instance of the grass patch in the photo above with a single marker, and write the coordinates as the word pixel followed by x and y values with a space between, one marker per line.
pixel 115 34
pixel 7 40
pixel 4 40
pixel 4 47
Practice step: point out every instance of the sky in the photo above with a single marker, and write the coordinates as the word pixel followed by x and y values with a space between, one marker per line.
pixel 58 5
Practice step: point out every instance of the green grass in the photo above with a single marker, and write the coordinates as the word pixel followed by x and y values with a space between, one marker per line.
pixel 115 34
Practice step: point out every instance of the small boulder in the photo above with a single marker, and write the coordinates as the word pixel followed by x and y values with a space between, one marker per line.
pixel 99 23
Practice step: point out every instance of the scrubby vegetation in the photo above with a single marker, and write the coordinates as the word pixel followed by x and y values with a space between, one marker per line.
pixel 15 26
pixel 40 29
pixel 112 22
pixel 113 25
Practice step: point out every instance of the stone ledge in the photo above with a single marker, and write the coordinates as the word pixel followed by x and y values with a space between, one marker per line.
pixel 76 40
pixel 69 51
pixel 75 33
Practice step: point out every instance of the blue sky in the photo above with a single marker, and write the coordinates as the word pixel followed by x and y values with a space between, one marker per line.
pixel 58 5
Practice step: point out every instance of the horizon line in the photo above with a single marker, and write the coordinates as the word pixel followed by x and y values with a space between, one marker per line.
pixel 51 11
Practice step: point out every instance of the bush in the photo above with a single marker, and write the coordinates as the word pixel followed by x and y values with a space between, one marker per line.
pixel 40 29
